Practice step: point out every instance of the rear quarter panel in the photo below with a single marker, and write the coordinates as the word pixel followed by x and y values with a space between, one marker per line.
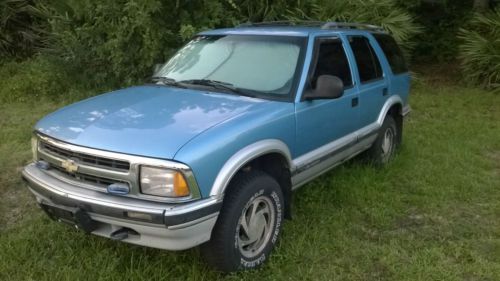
pixel 399 84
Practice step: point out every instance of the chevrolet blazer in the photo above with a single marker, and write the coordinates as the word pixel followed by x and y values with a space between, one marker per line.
pixel 209 152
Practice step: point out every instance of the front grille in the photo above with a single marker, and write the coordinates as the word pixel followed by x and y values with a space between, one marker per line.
pixel 86 158
pixel 99 181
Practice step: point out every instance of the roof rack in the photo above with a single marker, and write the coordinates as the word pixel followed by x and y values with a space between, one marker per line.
pixel 349 25
pixel 282 23
pixel 320 24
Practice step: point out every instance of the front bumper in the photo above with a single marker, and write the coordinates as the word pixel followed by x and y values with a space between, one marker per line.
pixel 157 225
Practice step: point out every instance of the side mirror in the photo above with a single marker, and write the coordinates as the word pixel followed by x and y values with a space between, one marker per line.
pixel 327 87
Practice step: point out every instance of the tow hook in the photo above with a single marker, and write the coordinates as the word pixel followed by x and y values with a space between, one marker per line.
pixel 122 233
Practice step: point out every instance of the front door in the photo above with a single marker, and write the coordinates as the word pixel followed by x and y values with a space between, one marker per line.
pixel 319 123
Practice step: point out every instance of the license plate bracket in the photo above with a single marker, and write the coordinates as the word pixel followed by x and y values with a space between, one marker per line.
pixel 74 216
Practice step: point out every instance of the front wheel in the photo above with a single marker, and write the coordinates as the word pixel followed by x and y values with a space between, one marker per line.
pixel 249 223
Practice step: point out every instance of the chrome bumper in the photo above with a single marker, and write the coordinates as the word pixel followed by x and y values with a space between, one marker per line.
pixel 158 225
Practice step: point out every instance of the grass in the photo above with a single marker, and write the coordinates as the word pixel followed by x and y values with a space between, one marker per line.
pixel 431 214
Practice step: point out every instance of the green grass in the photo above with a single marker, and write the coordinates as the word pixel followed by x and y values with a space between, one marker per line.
pixel 431 214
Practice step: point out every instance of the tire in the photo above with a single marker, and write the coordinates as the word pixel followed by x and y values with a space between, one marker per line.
pixel 249 223
pixel 384 147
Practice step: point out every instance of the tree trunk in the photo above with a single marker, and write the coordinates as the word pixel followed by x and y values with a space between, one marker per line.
pixel 481 5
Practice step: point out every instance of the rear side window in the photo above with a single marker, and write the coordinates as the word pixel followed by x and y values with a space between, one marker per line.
pixel 332 60
pixel 368 64
pixel 392 52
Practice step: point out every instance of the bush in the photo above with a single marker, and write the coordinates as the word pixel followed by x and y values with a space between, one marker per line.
pixel 441 21
pixel 21 28
pixel 385 13
pixel 480 50
pixel 118 42
pixel 40 77
pixel 110 40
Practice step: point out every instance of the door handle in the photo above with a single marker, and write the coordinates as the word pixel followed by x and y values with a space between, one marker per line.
pixel 385 92
pixel 355 102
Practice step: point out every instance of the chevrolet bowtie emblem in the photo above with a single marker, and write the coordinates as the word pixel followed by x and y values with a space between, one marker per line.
pixel 69 165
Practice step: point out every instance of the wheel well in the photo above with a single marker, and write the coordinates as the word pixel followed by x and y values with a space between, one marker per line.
pixel 275 165
pixel 396 112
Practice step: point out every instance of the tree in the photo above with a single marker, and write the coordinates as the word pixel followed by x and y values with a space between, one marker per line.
pixel 21 28
pixel 481 5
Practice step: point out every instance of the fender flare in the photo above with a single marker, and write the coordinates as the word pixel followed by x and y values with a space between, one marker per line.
pixel 244 156
pixel 393 100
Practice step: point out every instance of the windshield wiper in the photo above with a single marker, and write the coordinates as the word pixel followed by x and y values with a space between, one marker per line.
pixel 167 81
pixel 217 85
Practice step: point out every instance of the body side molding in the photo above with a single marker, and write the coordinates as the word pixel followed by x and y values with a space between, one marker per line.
pixel 248 153
pixel 245 155
pixel 317 161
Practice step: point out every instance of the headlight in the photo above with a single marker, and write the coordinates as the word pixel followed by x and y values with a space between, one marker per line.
pixel 163 182
pixel 34 147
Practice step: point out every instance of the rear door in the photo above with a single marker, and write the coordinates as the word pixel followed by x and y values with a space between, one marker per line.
pixel 372 85
pixel 400 78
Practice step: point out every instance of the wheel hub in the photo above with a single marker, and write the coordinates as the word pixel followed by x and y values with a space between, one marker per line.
pixel 387 144
pixel 255 226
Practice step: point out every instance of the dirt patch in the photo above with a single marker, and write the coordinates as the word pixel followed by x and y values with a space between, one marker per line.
pixel 15 204
pixel 438 74
pixel 495 157
pixel 419 222
pixel 413 219
pixel 379 271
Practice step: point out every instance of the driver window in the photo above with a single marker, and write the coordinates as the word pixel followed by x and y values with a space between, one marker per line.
pixel 332 60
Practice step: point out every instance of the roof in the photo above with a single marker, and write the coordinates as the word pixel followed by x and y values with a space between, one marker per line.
pixel 298 29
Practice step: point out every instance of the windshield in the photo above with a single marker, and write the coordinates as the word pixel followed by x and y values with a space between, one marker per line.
pixel 265 66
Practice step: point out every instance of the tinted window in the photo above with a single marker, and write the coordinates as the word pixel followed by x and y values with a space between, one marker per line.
pixel 332 60
pixel 368 64
pixel 392 52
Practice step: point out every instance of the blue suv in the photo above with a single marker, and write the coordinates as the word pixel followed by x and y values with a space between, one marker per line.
pixel 209 152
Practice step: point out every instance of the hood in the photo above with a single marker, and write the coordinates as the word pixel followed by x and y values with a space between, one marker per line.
pixel 152 121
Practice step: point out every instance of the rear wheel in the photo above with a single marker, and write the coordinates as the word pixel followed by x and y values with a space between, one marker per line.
pixel 385 145
pixel 249 223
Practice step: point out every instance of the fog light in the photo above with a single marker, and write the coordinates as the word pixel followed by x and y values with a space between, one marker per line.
pixel 118 188
pixel 44 165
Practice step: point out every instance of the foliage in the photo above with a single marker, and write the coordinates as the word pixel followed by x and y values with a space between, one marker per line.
pixel 21 28
pixel 385 13
pixel 111 40
pixel 264 10
pixel 118 42
pixel 480 51
pixel 40 77
pixel 441 20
